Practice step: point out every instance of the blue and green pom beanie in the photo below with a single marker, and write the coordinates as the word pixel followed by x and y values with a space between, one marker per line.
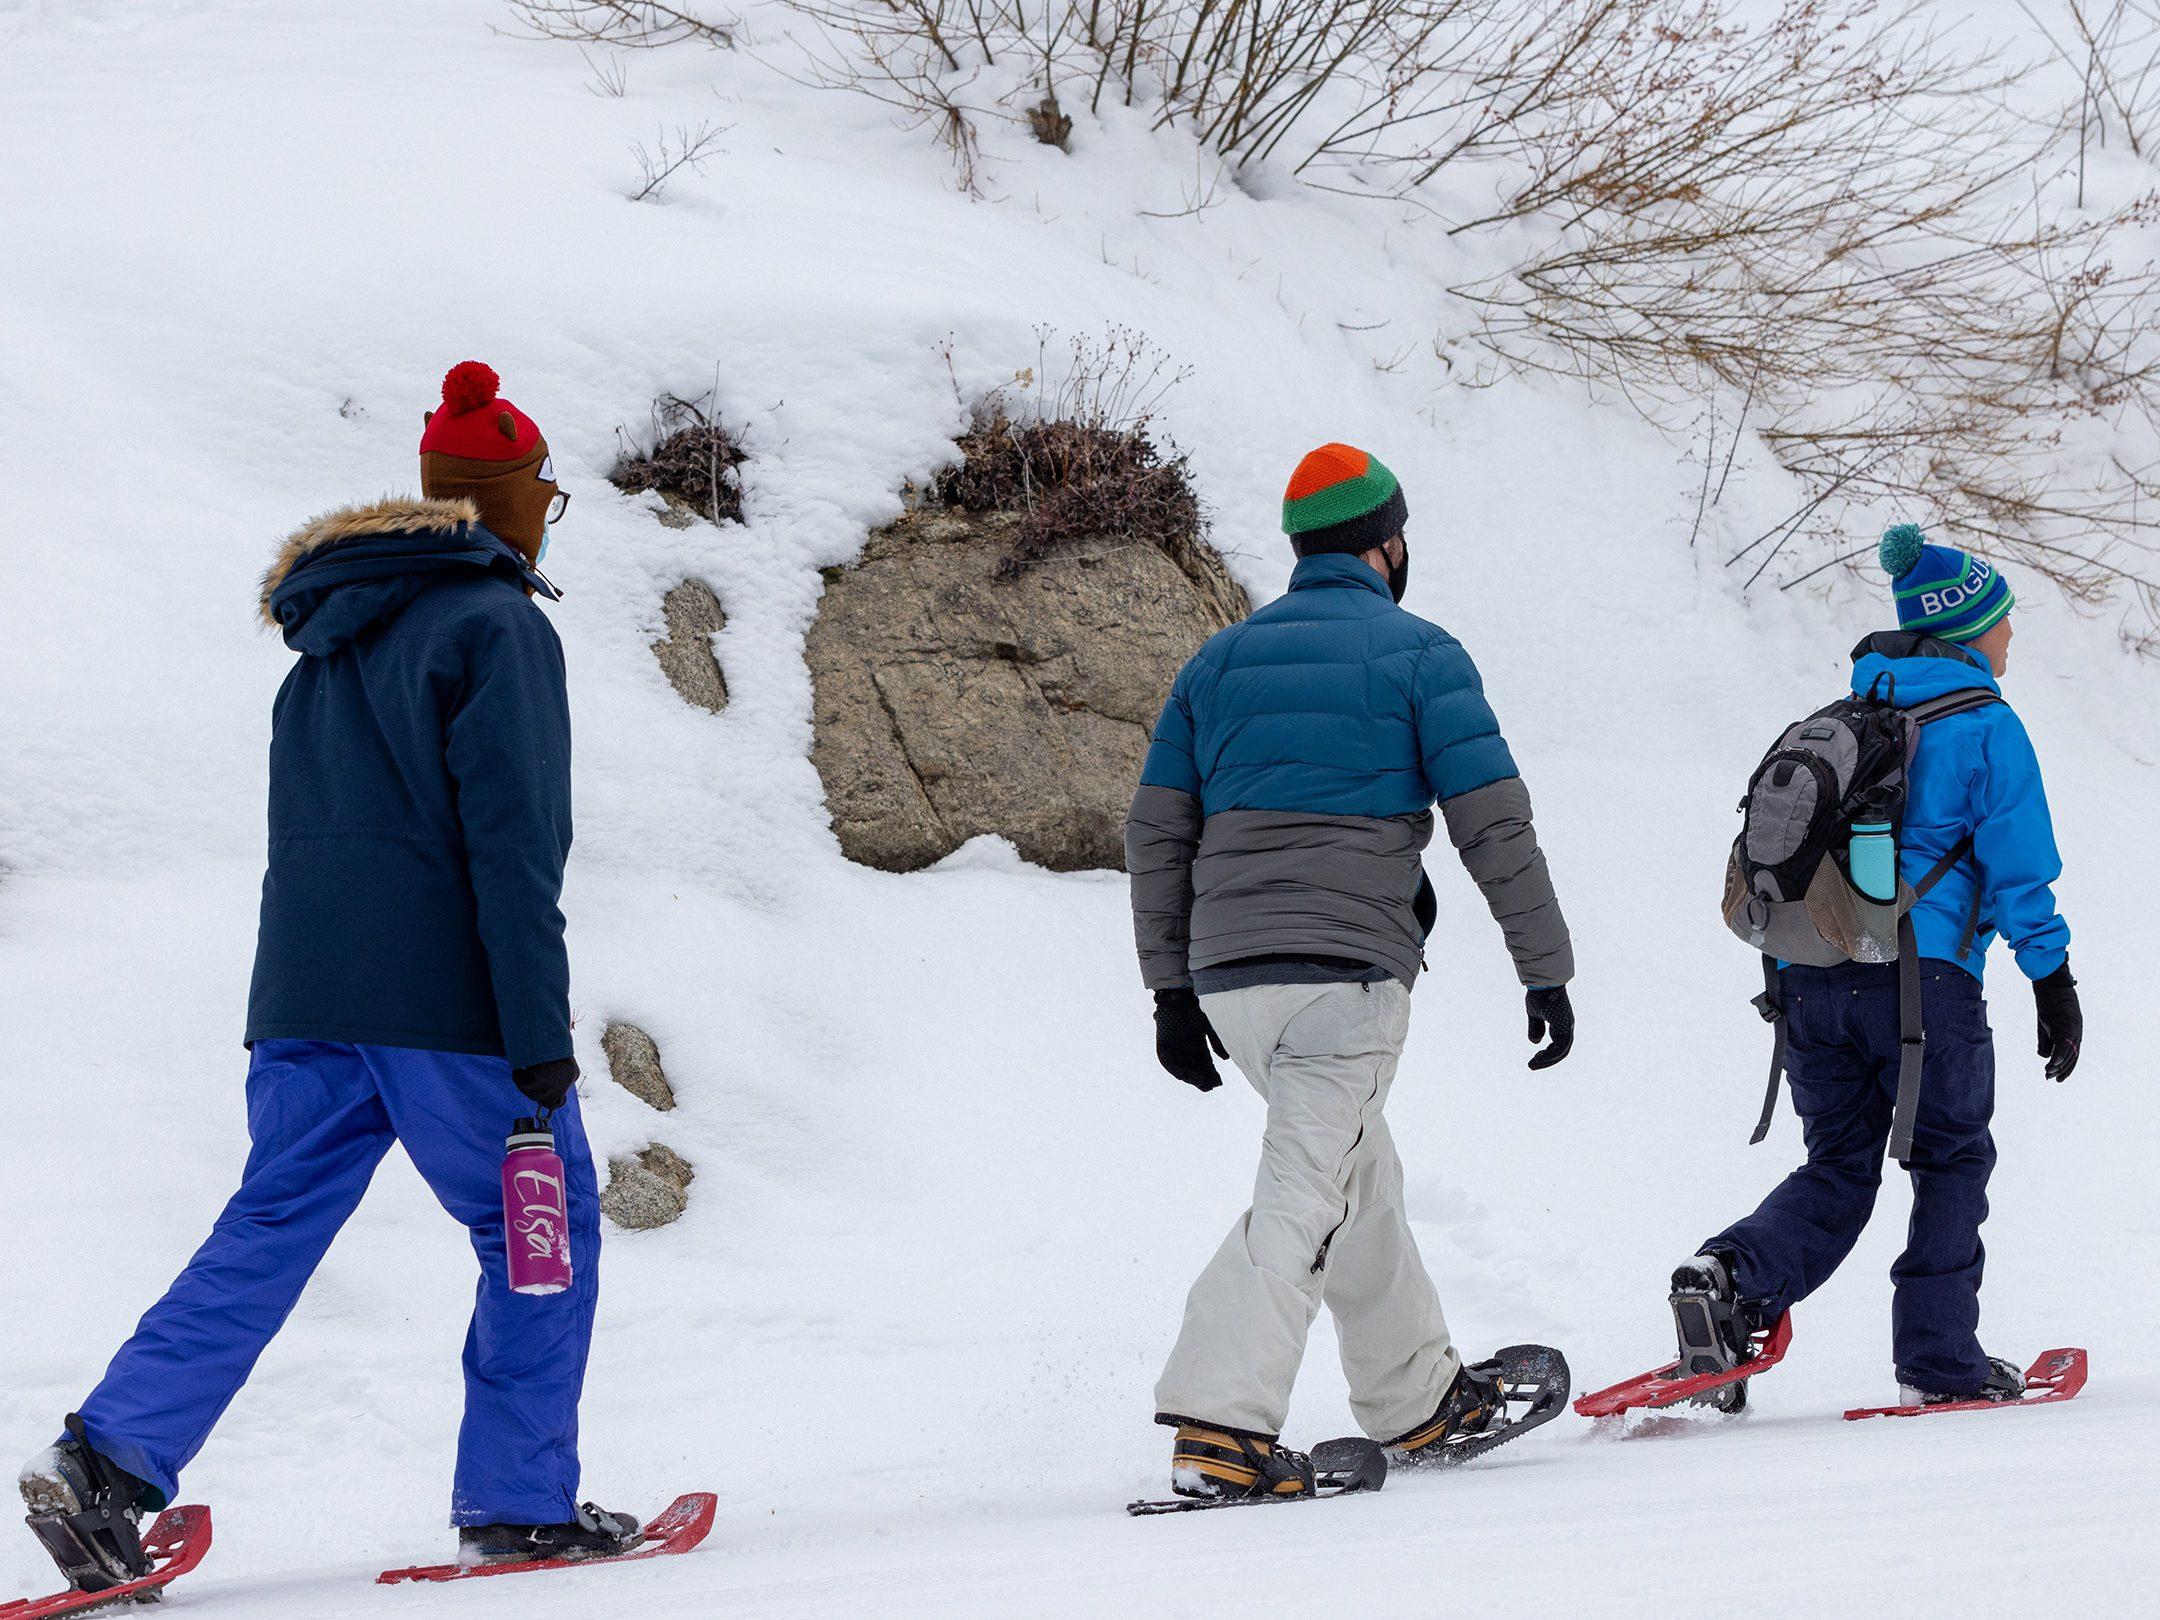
pixel 1942 591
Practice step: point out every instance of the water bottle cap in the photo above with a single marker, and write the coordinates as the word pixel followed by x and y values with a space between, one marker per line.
pixel 528 1133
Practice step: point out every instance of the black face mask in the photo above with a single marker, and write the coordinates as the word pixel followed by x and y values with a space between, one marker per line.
pixel 1398 574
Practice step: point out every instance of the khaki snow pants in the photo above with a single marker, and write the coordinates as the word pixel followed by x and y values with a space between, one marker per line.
pixel 1326 1224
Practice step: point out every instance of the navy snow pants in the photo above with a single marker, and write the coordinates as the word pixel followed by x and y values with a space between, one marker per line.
pixel 1842 1023
pixel 321 1116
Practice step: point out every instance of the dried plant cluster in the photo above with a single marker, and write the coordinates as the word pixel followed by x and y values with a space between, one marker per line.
pixel 1074 456
pixel 688 456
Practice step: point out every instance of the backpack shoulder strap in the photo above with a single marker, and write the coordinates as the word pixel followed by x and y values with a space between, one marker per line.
pixel 1941 869
pixel 1912 1045
pixel 1771 1005
pixel 1951 703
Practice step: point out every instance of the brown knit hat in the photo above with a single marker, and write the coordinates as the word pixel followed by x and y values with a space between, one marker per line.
pixel 480 446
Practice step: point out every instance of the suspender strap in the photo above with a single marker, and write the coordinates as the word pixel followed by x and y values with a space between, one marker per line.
pixel 1773 1011
pixel 1912 1044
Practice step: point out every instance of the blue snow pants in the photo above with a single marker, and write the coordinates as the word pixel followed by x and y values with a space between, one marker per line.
pixel 321 1116
pixel 1842 1023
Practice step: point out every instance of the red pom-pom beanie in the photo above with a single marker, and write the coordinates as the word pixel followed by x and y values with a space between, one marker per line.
pixel 478 445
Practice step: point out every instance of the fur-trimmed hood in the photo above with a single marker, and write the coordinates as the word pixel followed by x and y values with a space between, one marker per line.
pixel 362 567
pixel 393 514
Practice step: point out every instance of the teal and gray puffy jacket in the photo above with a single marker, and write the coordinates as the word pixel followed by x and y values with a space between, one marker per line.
pixel 1287 798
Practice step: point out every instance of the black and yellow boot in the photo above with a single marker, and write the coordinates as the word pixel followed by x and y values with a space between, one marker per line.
pixel 1212 1464
pixel 1474 1403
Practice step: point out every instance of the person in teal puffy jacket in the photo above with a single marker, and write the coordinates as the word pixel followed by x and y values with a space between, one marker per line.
pixel 1975 775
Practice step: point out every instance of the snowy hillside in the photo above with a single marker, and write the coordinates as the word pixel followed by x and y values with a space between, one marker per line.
pixel 946 1207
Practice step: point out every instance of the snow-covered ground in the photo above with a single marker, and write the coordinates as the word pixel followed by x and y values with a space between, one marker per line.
pixel 946 1206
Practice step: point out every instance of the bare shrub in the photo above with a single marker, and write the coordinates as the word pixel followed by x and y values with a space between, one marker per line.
pixel 610 76
pixel 681 148
pixel 902 53
pixel 1826 212
pixel 633 24
pixel 2113 46
pixel 1840 223
pixel 688 456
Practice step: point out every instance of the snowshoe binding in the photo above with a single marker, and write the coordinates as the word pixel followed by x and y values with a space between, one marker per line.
pixel 1714 1331
pixel 1489 1403
pixel 592 1534
pixel 1473 1404
pixel 1212 1463
pixel 1222 1468
pixel 2004 1383
pixel 87 1512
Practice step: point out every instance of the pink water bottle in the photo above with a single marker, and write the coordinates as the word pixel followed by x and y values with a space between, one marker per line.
pixel 536 1213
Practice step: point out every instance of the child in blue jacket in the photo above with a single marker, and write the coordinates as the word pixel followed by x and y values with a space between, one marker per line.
pixel 1975 774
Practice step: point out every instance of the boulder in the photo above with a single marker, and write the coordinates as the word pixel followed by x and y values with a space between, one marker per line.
pixel 647 1189
pixel 957 694
pixel 693 616
pixel 633 1059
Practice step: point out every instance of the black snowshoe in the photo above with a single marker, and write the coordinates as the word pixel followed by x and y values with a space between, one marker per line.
pixel 87 1512
pixel 1490 1403
pixel 1713 1330
pixel 592 1534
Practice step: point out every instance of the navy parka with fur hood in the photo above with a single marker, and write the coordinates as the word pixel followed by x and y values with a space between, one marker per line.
pixel 419 792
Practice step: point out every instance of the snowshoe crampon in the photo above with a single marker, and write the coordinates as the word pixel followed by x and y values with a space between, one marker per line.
pixel 175 1544
pixel 1672 1383
pixel 681 1526
pixel 1534 1385
pixel 1339 1468
pixel 2056 1376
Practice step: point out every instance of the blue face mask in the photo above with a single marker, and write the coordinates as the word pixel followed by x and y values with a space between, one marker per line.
pixel 559 504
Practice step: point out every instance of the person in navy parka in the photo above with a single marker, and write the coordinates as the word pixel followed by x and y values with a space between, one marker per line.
pixel 1974 775
pixel 411 985
pixel 1281 913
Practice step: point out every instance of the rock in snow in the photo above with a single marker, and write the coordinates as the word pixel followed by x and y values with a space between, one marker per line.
pixel 633 1059
pixel 694 616
pixel 647 1189
pixel 950 702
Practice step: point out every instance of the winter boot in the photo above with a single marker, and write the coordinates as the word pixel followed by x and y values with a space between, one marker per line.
pixel 1712 1329
pixel 2004 1383
pixel 1208 1462
pixel 87 1512
pixel 592 1534
pixel 1474 1402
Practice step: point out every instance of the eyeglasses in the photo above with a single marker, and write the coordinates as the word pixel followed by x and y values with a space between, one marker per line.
pixel 558 506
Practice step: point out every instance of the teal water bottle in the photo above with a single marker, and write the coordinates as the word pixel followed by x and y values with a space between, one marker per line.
pixel 1872 859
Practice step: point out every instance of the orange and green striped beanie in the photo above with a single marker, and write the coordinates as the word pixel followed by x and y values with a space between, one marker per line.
pixel 1341 499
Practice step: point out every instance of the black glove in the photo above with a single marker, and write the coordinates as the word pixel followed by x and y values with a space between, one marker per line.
pixel 1182 1038
pixel 1549 1005
pixel 2062 1021
pixel 549 1083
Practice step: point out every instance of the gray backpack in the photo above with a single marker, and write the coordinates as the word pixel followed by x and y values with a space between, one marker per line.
pixel 1791 889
